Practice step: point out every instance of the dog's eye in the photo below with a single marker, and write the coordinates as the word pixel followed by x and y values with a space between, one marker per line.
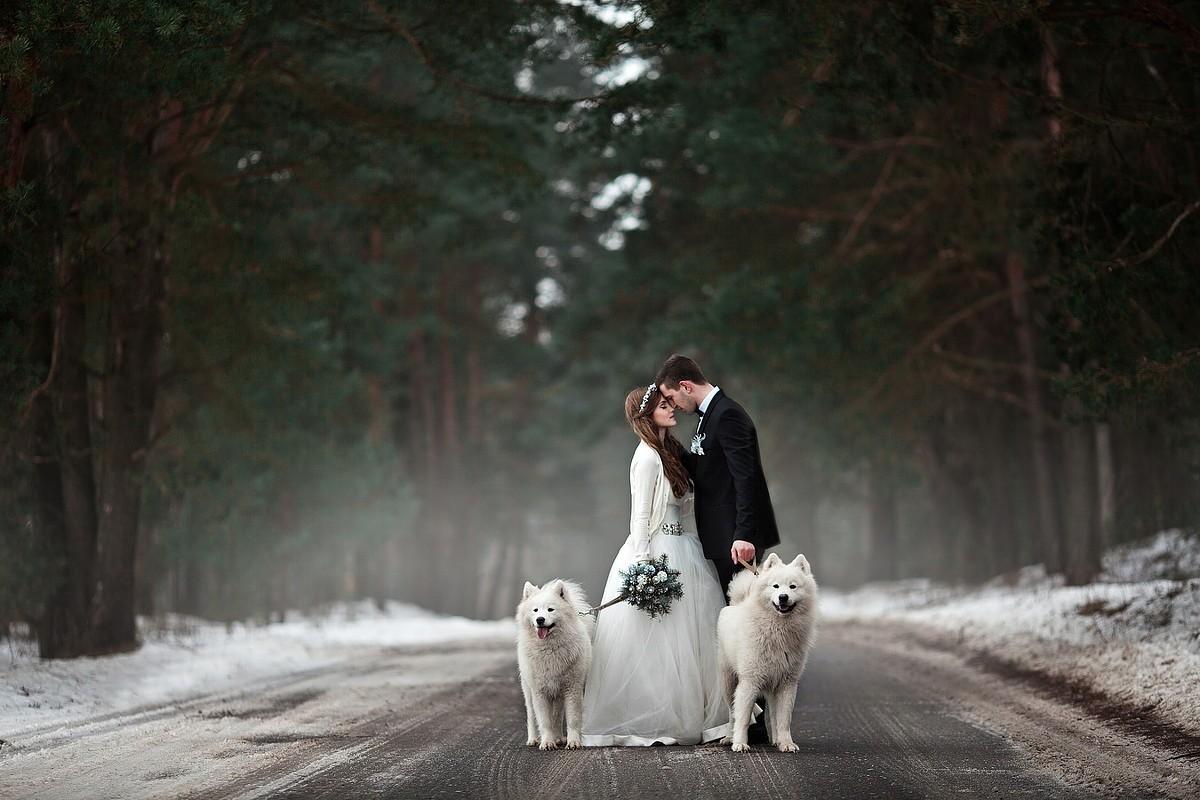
pixel 535 611
pixel 549 609
pixel 793 586
pixel 777 586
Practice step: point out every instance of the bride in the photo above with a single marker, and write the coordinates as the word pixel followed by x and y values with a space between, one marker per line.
pixel 656 680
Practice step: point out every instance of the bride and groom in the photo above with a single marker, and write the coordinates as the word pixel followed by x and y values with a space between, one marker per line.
pixel 706 508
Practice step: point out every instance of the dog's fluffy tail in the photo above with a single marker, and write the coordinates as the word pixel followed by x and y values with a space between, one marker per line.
pixel 739 587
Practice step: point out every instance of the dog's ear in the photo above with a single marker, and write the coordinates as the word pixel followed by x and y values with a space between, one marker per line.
pixel 560 588
pixel 801 562
pixel 529 590
pixel 773 560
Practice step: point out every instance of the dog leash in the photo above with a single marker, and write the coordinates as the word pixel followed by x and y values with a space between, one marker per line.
pixel 753 569
pixel 595 610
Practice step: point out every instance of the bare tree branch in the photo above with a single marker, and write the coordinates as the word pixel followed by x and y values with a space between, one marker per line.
pixel 984 363
pixel 872 201
pixel 940 330
pixel 1142 258
pixel 991 392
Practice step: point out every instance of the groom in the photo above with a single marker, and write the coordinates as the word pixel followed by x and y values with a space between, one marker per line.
pixel 733 508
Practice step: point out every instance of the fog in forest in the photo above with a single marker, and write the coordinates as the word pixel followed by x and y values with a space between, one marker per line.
pixel 306 305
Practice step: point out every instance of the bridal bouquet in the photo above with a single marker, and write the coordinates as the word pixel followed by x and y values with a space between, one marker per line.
pixel 651 586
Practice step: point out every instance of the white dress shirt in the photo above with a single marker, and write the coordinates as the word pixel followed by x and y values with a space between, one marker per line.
pixel 708 400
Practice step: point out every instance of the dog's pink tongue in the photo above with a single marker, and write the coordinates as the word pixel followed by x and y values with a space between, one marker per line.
pixel 543 632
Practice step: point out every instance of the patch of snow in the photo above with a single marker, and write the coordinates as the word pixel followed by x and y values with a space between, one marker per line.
pixel 1134 635
pixel 615 15
pixel 627 70
pixel 182 657
pixel 1171 555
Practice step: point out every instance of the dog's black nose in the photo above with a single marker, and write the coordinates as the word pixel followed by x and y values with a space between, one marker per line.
pixel 540 621
pixel 783 598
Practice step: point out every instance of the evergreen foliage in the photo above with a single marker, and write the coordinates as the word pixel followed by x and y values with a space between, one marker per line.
pixel 303 300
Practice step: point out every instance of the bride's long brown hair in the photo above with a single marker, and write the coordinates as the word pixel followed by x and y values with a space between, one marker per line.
pixel 668 448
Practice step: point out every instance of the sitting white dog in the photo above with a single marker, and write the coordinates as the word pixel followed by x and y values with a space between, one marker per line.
pixel 764 636
pixel 554 651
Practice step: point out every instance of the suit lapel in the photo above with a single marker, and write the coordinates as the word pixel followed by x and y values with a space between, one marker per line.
pixel 712 411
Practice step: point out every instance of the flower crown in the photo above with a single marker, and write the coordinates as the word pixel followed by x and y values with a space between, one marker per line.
pixel 646 397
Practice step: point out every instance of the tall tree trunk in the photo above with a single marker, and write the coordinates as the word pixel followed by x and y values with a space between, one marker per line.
pixel 457 545
pixel 146 573
pixel 1106 484
pixel 135 333
pixel 474 394
pixel 74 423
pixel 1052 83
pixel 57 634
pixel 373 568
pixel 490 566
pixel 512 568
pixel 949 517
pixel 451 445
pixel 1044 498
pixel 972 553
pixel 1080 502
pixel 423 464
pixel 881 509
pixel 422 416
pixel 1003 534
pixel 379 412
pixel 147 187
pixel 66 624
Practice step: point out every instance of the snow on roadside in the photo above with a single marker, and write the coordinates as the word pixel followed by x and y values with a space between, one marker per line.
pixel 1134 635
pixel 183 657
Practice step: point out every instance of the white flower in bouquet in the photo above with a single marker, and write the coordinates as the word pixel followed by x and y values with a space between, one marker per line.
pixel 651 586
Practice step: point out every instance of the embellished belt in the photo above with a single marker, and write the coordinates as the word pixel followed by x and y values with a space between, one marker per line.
pixel 672 529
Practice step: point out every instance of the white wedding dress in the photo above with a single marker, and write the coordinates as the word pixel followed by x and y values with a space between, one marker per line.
pixel 656 680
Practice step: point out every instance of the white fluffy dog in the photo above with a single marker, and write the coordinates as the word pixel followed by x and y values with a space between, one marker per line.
pixel 764 635
pixel 554 651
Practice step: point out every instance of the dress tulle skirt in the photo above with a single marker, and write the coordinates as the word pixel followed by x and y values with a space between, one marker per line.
pixel 656 680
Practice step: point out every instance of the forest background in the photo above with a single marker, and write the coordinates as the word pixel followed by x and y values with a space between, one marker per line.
pixel 305 301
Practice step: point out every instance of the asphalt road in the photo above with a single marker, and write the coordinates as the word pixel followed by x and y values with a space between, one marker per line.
pixel 875 718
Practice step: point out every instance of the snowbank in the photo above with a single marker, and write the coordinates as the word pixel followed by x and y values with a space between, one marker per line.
pixel 1134 635
pixel 183 657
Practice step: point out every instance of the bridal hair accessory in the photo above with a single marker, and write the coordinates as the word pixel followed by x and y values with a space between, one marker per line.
pixel 646 397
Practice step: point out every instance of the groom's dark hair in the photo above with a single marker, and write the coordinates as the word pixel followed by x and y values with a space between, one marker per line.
pixel 679 368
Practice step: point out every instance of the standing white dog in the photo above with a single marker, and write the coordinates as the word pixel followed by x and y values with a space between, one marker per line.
pixel 764 635
pixel 554 651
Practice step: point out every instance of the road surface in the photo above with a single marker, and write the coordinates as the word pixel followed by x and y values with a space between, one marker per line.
pixel 877 717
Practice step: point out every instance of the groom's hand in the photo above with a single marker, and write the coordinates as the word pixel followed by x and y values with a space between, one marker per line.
pixel 742 551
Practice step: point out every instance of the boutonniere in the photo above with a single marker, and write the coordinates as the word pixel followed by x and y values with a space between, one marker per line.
pixel 698 443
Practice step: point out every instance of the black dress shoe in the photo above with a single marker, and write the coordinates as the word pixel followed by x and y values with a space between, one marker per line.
pixel 757 733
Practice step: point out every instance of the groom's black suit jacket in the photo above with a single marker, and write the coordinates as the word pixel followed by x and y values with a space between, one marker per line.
pixel 732 501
